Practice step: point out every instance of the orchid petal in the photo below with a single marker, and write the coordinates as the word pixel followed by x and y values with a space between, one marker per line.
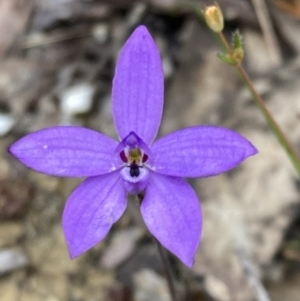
pixel 91 210
pixel 171 211
pixel 200 151
pixel 66 151
pixel 138 87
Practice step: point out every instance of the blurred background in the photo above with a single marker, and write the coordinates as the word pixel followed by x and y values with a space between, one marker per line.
pixel 57 60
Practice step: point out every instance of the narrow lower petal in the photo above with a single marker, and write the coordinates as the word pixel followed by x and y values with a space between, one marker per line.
pixel 66 151
pixel 200 151
pixel 138 87
pixel 91 210
pixel 171 211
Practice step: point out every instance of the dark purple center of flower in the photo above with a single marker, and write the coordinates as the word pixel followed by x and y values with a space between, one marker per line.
pixel 134 170
pixel 134 159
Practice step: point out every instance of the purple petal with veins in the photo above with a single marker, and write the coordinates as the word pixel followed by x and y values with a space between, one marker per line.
pixel 200 151
pixel 66 151
pixel 138 88
pixel 93 207
pixel 171 211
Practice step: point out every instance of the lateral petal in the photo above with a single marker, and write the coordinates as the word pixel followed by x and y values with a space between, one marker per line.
pixel 91 210
pixel 66 151
pixel 200 151
pixel 171 211
pixel 138 87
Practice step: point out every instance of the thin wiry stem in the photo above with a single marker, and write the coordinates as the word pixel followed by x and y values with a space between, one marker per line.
pixel 286 145
pixel 168 272
pixel 267 115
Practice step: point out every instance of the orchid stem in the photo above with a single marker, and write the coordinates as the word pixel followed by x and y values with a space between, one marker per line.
pixel 167 267
pixel 264 110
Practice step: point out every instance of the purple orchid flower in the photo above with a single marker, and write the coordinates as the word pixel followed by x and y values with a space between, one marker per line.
pixel 136 164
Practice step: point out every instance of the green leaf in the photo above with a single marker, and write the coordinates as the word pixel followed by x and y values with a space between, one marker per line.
pixel 226 58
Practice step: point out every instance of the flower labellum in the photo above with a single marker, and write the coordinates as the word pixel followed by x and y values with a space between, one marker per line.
pixel 134 164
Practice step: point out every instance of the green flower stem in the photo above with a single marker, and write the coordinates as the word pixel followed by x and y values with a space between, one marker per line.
pixel 258 100
pixel 267 115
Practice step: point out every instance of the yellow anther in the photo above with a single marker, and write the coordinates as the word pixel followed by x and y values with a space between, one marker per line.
pixel 135 155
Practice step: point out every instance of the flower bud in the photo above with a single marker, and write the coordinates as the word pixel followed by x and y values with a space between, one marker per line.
pixel 238 55
pixel 214 18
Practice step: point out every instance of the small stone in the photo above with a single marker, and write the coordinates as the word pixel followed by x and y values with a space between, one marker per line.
pixel 77 99
pixel 216 289
pixel 100 32
pixel 150 286
pixel 6 123
pixel 12 259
